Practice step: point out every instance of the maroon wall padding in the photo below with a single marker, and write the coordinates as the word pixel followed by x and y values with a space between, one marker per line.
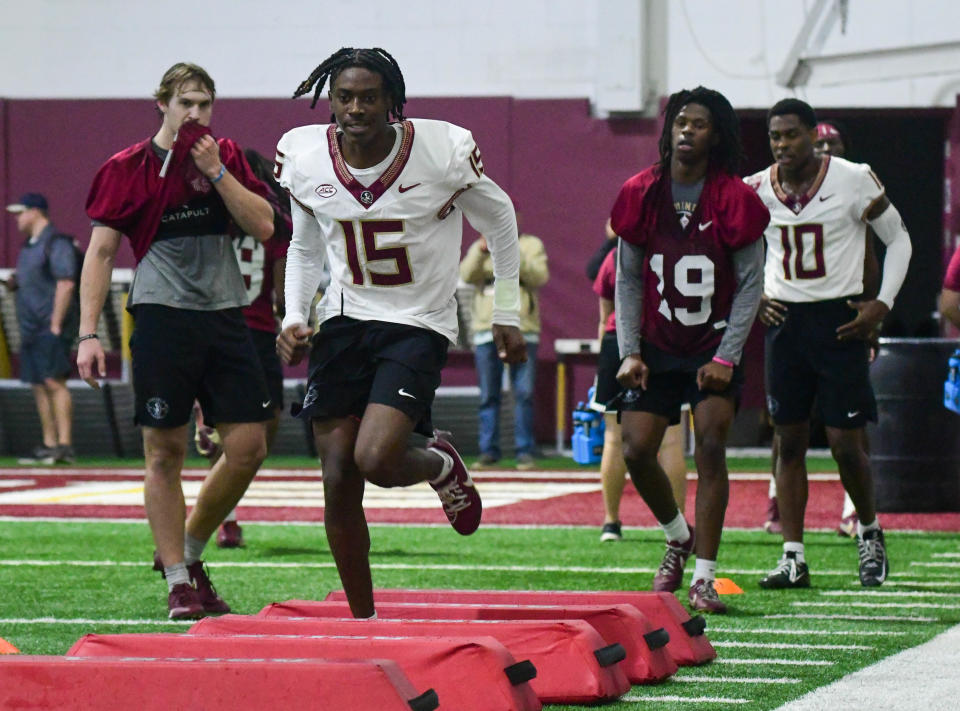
pixel 620 624
pixel 56 683
pixel 688 644
pixel 468 675
pixel 566 653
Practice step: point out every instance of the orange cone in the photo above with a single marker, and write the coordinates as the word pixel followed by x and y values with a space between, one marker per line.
pixel 725 586
pixel 7 648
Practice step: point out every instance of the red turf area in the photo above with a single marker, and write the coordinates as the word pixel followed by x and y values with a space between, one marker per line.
pixel 746 509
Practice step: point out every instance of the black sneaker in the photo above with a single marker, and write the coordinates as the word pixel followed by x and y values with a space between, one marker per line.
pixel 874 565
pixel 789 573
pixel 611 532
pixel 41 455
pixel 64 454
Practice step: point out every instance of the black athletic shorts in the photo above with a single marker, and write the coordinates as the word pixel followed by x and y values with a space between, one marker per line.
pixel 182 355
pixel 673 381
pixel 608 363
pixel 353 363
pixel 805 362
pixel 265 342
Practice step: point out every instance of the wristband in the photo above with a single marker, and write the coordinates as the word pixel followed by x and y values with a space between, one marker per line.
pixel 721 361
pixel 88 337
pixel 223 170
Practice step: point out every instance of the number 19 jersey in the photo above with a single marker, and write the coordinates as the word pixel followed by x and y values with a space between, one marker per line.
pixel 392 246
pixel 815 243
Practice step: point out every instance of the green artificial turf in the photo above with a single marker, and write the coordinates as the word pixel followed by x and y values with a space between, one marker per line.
pixel 60 580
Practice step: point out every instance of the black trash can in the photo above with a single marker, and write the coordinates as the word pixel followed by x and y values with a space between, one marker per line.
pixel 915 444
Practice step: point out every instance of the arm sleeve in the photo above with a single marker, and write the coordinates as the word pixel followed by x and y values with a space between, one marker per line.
pixel 892 231
pixel 305 263
pixel 748 267
pixel 490 211
pixel 628 299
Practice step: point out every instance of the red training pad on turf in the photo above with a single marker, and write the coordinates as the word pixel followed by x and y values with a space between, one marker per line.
pixel 78 684
pixel 458 669
pixel 563 651
pixel 621 624
pixel 688 644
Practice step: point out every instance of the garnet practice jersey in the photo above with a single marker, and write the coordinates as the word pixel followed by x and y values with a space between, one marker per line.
pixel 256 260
pixel 815 245
pixel 393 248
pixel 688 274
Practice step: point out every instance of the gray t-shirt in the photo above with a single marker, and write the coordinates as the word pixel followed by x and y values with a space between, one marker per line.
pixel 191 263
pixel 685 199
pixel 37 280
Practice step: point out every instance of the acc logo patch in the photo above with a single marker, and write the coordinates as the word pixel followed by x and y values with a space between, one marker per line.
pixel 325 191
pixel 158 408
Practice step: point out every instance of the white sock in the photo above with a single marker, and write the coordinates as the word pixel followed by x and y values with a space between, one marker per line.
pixel 176 574
pixel 772 489
pixel 192 549
pixel 848 508
pixel 445 469
pixel 864 527
pixel 372 617
pixel 677 530
pixel 232 516
pixel 794 547
pixel 705 570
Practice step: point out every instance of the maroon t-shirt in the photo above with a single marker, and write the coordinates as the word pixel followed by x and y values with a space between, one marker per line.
pixel 688 274
pixel 605 286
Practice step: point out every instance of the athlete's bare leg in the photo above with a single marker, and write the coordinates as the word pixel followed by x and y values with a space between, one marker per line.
pixel 791 476
pixel 642 434
pixel 849 449
pixel 164 453
pixel 712 418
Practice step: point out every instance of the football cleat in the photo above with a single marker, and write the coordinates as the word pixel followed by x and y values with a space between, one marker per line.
pixel 209 600
pixel 611 532
pixel 670 574
pixel 848 525
pixel 874 565
pixel 789 573
pixel 183 603
pixel 230 535
pixel 460 499
pixel 703 597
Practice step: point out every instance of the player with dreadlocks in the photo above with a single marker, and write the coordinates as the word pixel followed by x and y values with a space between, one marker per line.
pixel 689 283
pixel 380 202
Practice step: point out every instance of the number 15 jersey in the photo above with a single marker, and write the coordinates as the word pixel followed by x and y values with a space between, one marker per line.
pixel 392 245
pixel 816 243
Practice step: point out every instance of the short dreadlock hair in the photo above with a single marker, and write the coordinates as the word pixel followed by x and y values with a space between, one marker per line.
pixel 728 152
pixel 375 59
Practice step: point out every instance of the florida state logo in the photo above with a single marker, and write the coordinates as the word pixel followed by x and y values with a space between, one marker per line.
pixel 366 197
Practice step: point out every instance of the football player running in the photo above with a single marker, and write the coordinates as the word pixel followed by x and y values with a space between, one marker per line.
pixel 380 201
pixel 689 282
pixel 817 336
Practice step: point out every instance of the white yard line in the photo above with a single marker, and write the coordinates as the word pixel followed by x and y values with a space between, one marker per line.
pixel 886 593
pixel 778 662
pixel 787 645
pixel 924 677
pixel 852 618
pixel 735 679
pixel 805 633
pixel 86 621
pixel 685 699
pixel 876 605
pixel 935 564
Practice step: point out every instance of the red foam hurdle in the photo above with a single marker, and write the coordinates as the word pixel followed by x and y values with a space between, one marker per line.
pixel 91 684
pixel 647 660
pixel 688 644
pixel 468 675
pixel 574 663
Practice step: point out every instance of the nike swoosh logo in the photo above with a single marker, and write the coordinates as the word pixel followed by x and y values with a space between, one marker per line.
pixel 853 413
pixel 826 197
pixel 405 188
pixel 265 403
pixel 704 225
pixel 404 393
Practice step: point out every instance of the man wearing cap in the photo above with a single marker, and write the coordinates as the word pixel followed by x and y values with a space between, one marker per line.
pixel 44 282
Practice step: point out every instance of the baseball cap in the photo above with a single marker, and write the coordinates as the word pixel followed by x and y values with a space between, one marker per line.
pixel 28 201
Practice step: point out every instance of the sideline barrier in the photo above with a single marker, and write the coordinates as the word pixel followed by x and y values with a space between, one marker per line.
pixel 688 644
pixel 574 664
pixel 91 684
pixel 621 624
pixel 468 675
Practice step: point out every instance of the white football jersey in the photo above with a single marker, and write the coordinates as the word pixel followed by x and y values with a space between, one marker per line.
pixel 815 245
pixel 392 246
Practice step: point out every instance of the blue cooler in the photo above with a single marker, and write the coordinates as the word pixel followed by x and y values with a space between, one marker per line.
pixel 588 429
